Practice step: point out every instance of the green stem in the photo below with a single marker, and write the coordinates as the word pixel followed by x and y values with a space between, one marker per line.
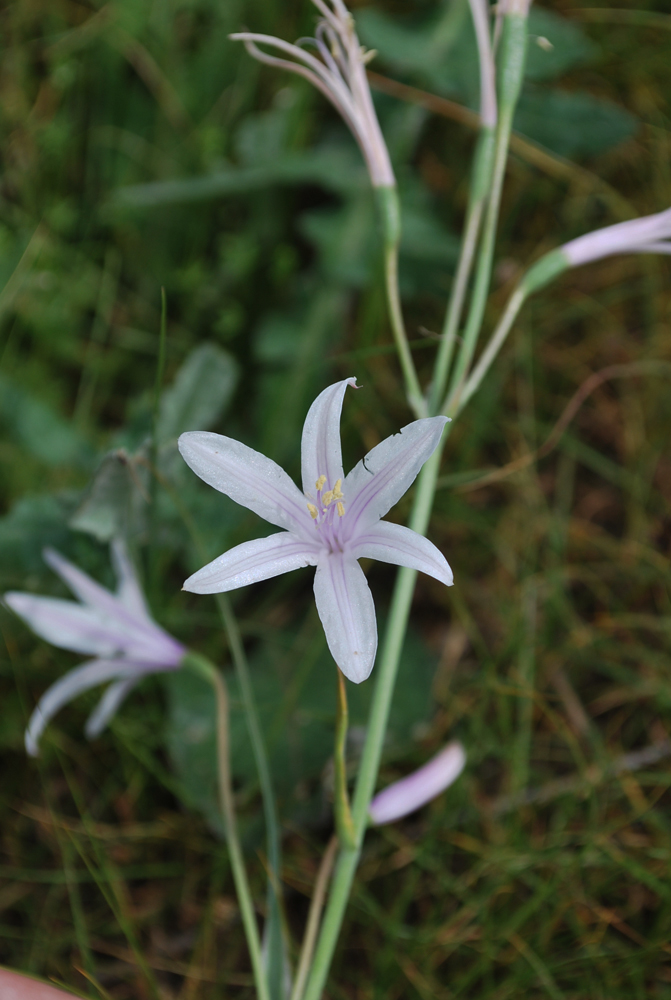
pixel 274 943
pixel 312 926
pixel 202 666
pixel 386 670
pixel 343 813
pixel 482 168
pixel 513 49
pixel 388 204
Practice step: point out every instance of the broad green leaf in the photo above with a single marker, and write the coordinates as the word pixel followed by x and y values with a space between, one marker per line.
pixel 39 429
pixel 568 45
pixel 573 124
pixel 200 394
pixel 190 738
pixel 32 524
pixel 115 501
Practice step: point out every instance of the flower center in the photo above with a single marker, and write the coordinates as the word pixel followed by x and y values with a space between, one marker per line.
pixel 326 511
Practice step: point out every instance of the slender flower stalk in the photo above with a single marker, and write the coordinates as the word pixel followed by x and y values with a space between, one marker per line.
pixel 116 628
pixel 479 192
pixel 331 525
pixel 410 793
pixel 339 72
pixel 510 77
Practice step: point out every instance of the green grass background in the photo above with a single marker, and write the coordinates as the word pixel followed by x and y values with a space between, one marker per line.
pixel 140 150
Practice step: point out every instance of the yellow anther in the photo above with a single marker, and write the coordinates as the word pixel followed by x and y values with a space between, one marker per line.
pixel 319 485
pixel 327 498
pixel 337 493
pixel 314 513
pixel 341 508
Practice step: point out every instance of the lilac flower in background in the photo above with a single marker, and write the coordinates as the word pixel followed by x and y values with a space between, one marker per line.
pixel 650 234
pixel 115 628
pixel 409 794
pixel 332 524
pixel 339 73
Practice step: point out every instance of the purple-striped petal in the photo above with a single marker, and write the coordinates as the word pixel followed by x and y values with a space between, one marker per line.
pixel 247 477
pixel 66 624
pixel 108 705
pixel 392 543
pixel 410 793
pixel 75 682
pixel 260 559
pixel 345 606
pixel 383 476
pixel 321 454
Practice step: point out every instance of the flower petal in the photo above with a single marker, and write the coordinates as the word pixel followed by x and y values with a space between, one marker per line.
pixel 392 543
pixel 345 606
pixel 321 453
pixel 66 624
pixel 260 559
pixel 108 706
pixel 383 476
pixel 408 794
pixel 91 593
pixel 76 681
pixel 247 477
pixel 129 592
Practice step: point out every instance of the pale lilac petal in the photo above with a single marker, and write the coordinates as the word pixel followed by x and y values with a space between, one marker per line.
pixel 247 477
pixel 383 476
pixel 75 682
pixel 83 586
pixel 409 794
pixel 260 559
pixel 392 543
pixel 129 592
pixel 345 606
pixel 321 454
pixel 634 235
pixel 108 705
pixel 66 624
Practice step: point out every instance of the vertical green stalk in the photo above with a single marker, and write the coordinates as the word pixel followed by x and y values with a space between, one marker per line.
pixel 390 214
pixel 513 50
pixel 153 451
pixel 204 668
pixel 386 671
pixel 343 813
pixel 482 169
pixel 274 941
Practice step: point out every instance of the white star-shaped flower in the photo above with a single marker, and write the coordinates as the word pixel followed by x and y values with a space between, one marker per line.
pixel 116 628
pixel 331 525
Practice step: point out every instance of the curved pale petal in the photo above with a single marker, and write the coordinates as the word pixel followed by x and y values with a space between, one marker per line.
pixel 247 477
pixel 83 586
pixel 66 624
pixel 321 454
pixel 76 681
pixel 392 543
pixel 383 476
pixel 260 559
pixel 108 706
pixel 408 794
pixel 129 592
pixel 345 606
